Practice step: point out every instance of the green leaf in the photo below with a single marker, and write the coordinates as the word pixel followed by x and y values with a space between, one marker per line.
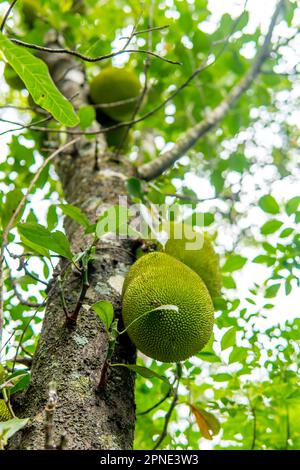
pixel 228 282
pixel 134 188
pixel 76 214
pixel 208 219
pixel 295 395
pixel 233 263
pixel 33 248
pixel 288 287
pixel 201 41
pixel 238 354
pixel 270 227
pixel 292 205
pixel 40 236
pixel 264 259
pixel 105 311
pixel 20 379
pixel 269 248
pixel 271 291
pixel 286 232
pixel 60 244
pixel 87 115
pixel 12 201
pixel 208 357
pixel 269 204
pixel 9 428
pixel 222 377
pixel 229 338
pixel 34 73
pixel 52 219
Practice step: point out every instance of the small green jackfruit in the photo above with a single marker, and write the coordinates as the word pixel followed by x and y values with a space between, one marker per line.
pixel 168 335
pixel 196 250
pixel 4 411
pixel 12 78
pixel 113 85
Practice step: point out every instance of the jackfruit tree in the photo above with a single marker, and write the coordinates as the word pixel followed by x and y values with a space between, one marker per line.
pixel 117 120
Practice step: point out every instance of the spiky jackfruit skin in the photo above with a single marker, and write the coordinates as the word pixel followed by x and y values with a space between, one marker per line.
pixel 112 85
pixel 166 335
pixel 4 412
pixel 12 78
pixel 203 260
pixel 150 260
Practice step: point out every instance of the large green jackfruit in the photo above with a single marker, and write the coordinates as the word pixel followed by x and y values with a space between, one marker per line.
pixel 113 85
pixel 196 250
pixel 170 335
pixel 4 411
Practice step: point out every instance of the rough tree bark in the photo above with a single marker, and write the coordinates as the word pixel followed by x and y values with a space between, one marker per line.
pixel 91 418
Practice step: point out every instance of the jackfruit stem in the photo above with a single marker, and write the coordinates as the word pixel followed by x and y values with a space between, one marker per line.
pixel 161 307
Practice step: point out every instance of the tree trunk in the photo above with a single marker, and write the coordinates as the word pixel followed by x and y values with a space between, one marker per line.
pixel 89 416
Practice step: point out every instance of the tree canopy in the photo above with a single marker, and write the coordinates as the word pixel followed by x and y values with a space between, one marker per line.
pixel 216 129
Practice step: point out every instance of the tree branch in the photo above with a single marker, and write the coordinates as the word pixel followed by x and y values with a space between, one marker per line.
pixel 144 92
pixel 7 15
pixel 13 282
pixel 90 59
pixel 166 160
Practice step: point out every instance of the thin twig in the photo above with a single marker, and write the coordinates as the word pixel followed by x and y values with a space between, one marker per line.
pixel 253 411
pixel 288 430
pixel 171 409
pixel 162 400
pixel 85 58
pixel 22 301
pixel 129 39
pixel 7 15
pixel 25 361
pixel 143 31
pixel 145 87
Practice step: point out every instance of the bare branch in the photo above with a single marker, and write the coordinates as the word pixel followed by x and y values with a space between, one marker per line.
pixel 25 361
pixel 13 282
pixel 7 15
pixel 141 98
pixel 157 167
pixel 171 409
pixel 143 31
pixel 91 59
